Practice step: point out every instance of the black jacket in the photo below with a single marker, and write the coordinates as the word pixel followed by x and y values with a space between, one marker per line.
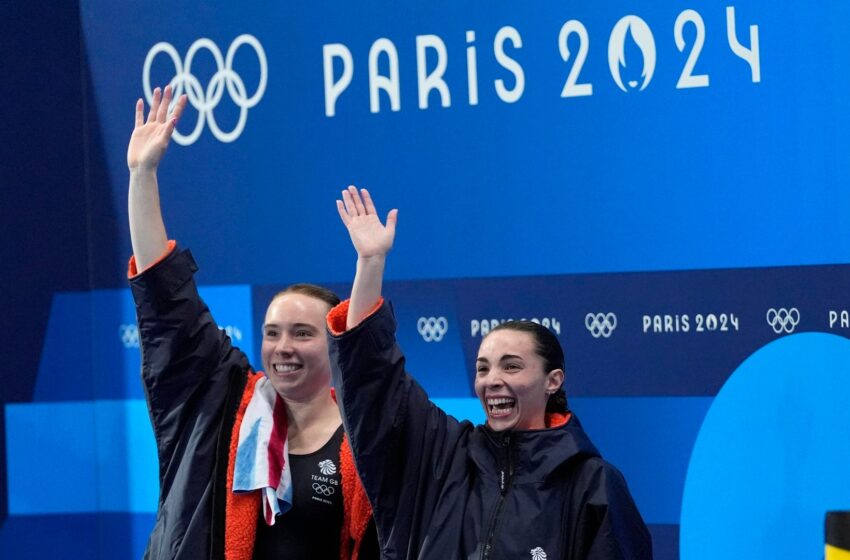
pixel 193 379
pixel 443 489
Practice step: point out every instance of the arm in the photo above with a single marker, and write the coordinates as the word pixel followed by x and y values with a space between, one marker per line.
pixel 405 448
pixel 188 363
pixel 609 523
pixel 147 146
pixel 372 241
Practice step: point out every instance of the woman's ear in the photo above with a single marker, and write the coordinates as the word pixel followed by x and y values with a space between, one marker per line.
pixel 554 380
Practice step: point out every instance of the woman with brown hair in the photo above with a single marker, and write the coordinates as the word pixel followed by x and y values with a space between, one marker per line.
pixel 528 484
pixel 251 465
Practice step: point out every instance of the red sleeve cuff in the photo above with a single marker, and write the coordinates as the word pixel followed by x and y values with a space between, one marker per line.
pixel 131 267
pixel 338 316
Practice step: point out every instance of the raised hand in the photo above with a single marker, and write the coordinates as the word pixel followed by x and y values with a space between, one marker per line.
pixel 150 137
pixel 370 237
pixel 372 240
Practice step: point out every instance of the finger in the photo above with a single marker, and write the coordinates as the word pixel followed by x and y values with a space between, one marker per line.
pixel 358 202
pixel 169 128
pixel 157 95
pixel 163 106
pixel 392 219
pixel 179 106
pixel 349 203
pixel 140 112
pixel 368 203
pixel 340 207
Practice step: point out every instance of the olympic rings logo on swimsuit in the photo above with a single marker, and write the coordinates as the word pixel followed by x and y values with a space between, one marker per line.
pixel 600 324
pixel 783 319
pixel 206 100
pixel 323 489
pixel 432 329
pixel 129 335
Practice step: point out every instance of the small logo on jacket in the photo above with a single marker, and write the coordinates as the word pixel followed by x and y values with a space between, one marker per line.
pixel 327 467
pixel 538 554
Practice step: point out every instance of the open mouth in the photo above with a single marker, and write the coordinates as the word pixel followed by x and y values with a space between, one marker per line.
pixel 286 368
pixel 499 407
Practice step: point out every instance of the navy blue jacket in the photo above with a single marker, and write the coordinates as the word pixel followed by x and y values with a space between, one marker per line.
pixel 443 489
pixel 193 380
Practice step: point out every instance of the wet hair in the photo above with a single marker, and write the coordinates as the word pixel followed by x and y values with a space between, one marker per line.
pixel 546 346
pixel 311 290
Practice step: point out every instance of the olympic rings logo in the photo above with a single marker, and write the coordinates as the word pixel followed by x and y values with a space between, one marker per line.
pixel 600 324
pixel 129 335
pixel 783 319
pixel 323 489
pixel 206 100
pixel 432 329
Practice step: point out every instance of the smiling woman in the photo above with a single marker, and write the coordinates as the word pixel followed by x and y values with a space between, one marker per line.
pixel 233 443
pixel 514 379
pixel 527 484
pixel 294 349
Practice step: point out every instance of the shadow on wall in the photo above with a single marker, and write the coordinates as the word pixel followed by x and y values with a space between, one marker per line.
pixel 43 204
pixel 61 236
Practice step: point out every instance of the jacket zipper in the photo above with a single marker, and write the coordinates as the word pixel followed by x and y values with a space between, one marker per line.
pixel 506 474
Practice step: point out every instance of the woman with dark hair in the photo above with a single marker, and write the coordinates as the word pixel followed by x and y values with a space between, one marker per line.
pixel 252 465
pixel 528 484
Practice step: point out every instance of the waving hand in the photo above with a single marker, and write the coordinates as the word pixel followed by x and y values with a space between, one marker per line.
pixel 372 240
pixel 150 137
pixel 147 145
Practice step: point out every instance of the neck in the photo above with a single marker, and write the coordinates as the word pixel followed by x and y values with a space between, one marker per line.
pixel 301 414
pixel 311 423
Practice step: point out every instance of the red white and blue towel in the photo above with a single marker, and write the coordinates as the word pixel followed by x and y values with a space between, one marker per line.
pixel 262 454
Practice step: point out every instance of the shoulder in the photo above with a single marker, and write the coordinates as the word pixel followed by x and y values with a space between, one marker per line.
pixel 595 468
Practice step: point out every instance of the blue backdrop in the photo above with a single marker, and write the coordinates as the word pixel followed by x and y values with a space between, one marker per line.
pixel 663 185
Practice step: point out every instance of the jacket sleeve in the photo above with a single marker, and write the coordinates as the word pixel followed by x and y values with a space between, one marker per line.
pixel 609 526
pixel 403 444
pixel 187 361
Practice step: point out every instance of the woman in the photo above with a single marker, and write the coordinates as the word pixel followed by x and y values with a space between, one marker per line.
pixel 236 448
pixel 528 484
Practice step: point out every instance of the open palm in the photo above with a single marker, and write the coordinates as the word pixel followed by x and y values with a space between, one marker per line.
pixel 150 137
pixel 370 237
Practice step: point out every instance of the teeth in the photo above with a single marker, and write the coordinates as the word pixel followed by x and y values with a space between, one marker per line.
pixel 494 402
pixel 286 368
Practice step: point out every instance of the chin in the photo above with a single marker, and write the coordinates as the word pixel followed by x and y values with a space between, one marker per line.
pixel 502 424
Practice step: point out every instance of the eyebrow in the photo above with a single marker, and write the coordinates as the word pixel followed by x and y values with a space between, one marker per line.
pixel 294 326
pixel 503 358
pixel 510 357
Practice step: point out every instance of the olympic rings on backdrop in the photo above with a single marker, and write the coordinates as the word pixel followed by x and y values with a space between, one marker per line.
pixel 432 329
pixel 205 100
pixel 783 319
pixel 600 324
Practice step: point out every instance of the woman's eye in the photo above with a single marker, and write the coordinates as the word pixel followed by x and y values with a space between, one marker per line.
pixel 512 367
pixel 271 334
pixel 480 370
pixel 302 334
